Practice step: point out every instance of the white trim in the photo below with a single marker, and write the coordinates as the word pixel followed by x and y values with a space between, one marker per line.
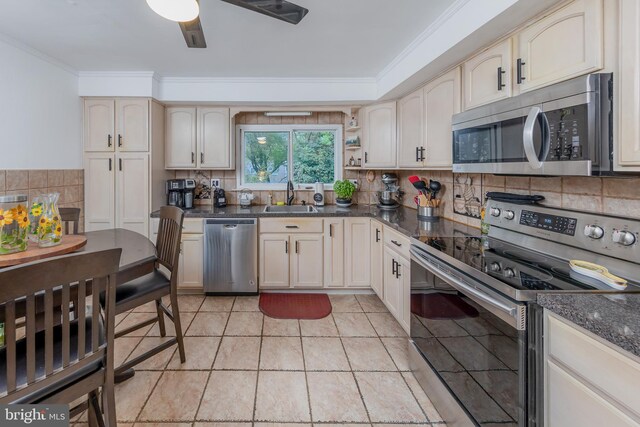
pixel 240 161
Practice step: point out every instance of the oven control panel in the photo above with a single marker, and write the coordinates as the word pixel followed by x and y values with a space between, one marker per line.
pixel 555 223
pixel 609 235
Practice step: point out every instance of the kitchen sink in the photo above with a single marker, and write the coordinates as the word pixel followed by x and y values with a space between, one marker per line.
pixel 297 209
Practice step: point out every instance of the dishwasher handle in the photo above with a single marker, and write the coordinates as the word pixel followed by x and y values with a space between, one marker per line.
pixel 231 221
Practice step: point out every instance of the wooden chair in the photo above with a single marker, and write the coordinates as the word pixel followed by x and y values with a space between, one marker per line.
pixel 155 285
pixel 70 215
pixel 66 357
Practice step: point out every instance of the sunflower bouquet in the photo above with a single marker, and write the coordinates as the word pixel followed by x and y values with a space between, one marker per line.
pixel 14 225
pixel 46 224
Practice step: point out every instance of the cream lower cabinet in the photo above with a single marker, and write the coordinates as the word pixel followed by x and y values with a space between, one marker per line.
pixel 190 268
pixel 397 276
pixel 357 252
pixel 306 261
pixel 587 381
pixel 274 261
pixel 334 252
pixel 99 184
pixel 377 259
pixel 565 44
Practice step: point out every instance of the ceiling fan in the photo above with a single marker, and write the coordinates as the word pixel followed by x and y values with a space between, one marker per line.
pixel 186 13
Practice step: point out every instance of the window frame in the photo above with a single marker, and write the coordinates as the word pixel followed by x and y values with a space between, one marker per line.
pixel 337 159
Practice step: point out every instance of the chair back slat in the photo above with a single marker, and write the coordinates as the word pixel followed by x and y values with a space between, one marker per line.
pixel 82 317
pixel 169 235
pixel 10 343
pixel 30 331
pixel 70 215
pixel 66 310
pixel 38 295
pixel 48 336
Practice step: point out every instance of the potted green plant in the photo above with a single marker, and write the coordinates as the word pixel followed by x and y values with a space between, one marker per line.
pixel 344 192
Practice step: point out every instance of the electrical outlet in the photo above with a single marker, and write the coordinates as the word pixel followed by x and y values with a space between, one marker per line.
pixel 354 182
pixel 215 183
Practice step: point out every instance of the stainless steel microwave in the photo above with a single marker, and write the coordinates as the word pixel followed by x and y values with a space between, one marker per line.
pixel 563 129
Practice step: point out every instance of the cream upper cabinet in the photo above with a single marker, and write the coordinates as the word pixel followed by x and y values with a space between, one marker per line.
pixel 442 101
pixel 357 252
pixel 132 174
pixel 487 76
pixel 180 143
pixel 99 125
pixel 99 196
pixel 214 143
pixel 274 260
pixel 411 130
pixel 132 124
pixel 306 260
pixel 628 111
pixel 333 252
pixel 190 264
pixel 379 135
pixel 567 43
pixel 377 250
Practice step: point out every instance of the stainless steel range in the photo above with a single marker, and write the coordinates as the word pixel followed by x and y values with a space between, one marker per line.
pixel 476 330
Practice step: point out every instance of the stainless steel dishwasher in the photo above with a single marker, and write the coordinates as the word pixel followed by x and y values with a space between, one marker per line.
pixel 231 256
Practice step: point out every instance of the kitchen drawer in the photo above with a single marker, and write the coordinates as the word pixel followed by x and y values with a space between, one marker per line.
pixel 193 226
pixel 398 242
pixel 598 364
pixel 291 225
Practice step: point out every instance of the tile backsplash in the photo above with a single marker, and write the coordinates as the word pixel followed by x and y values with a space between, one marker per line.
pixel 68 182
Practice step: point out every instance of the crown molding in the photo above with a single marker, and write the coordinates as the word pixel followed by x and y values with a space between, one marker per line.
pixel 37 54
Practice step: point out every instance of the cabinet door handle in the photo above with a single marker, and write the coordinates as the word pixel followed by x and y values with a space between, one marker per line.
pixel 393 267
pixel 417 154
pixel 500 73
pixel 519 77
pixel 395 242
pixel 330 230
pixel 193 157
pixel 109 140
pixel 366 157
pixel 398 275
pixel 297 247
pixel 422 150
pixel 119 140
pixel 109 165
pixel 120 164
pixel 286 247
pixel 291 226
pixel 377 235
pixel 201 157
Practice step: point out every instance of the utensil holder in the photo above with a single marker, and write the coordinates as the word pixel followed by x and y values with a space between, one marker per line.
pixel 428 213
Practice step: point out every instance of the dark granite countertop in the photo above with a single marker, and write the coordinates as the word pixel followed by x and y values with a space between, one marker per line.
pixel 613 317
pixel 403 219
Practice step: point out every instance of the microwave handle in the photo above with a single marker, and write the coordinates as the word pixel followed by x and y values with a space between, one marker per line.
pixel 527 138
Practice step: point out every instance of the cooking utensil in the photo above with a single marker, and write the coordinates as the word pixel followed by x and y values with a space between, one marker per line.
pixel 435 187
pixel 420 186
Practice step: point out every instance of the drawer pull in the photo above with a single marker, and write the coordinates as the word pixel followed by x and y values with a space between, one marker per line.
pixel 291 226
pixel 395 242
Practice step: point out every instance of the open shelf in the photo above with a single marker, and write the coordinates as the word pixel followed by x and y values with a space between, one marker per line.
pixel 354 129
pixel 353 168
pixel 353 147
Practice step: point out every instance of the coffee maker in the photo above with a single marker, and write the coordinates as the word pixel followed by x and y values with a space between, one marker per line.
pixel 181 192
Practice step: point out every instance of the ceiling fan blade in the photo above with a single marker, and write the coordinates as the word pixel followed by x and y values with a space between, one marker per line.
pixel 279 9
pixel 193 34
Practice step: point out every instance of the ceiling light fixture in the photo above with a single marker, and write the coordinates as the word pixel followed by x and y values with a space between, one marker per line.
pixel 287 113
pixel 176 10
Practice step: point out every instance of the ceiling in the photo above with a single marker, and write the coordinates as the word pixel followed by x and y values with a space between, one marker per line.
pixel 338 38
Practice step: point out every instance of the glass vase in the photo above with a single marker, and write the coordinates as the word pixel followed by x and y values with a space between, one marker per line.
pixel 14 224
pixel 49 223
pixel 35 212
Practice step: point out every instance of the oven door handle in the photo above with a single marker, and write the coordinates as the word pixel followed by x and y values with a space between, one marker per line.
pixel 510 310
pixel 535 160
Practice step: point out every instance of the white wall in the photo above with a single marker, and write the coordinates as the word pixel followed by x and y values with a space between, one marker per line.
pixel 40 112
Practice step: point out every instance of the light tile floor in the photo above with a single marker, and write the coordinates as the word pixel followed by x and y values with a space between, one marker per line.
pixel 246 369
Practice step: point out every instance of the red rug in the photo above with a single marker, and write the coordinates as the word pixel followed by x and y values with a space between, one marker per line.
pixel 295 306
pixel 438 306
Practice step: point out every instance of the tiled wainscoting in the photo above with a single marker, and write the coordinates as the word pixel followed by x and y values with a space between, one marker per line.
pixel 68 182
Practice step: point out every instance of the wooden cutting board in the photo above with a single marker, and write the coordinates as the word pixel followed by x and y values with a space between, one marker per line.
pixel 70 243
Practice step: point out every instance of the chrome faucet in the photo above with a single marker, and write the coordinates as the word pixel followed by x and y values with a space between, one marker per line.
pixel 290 196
